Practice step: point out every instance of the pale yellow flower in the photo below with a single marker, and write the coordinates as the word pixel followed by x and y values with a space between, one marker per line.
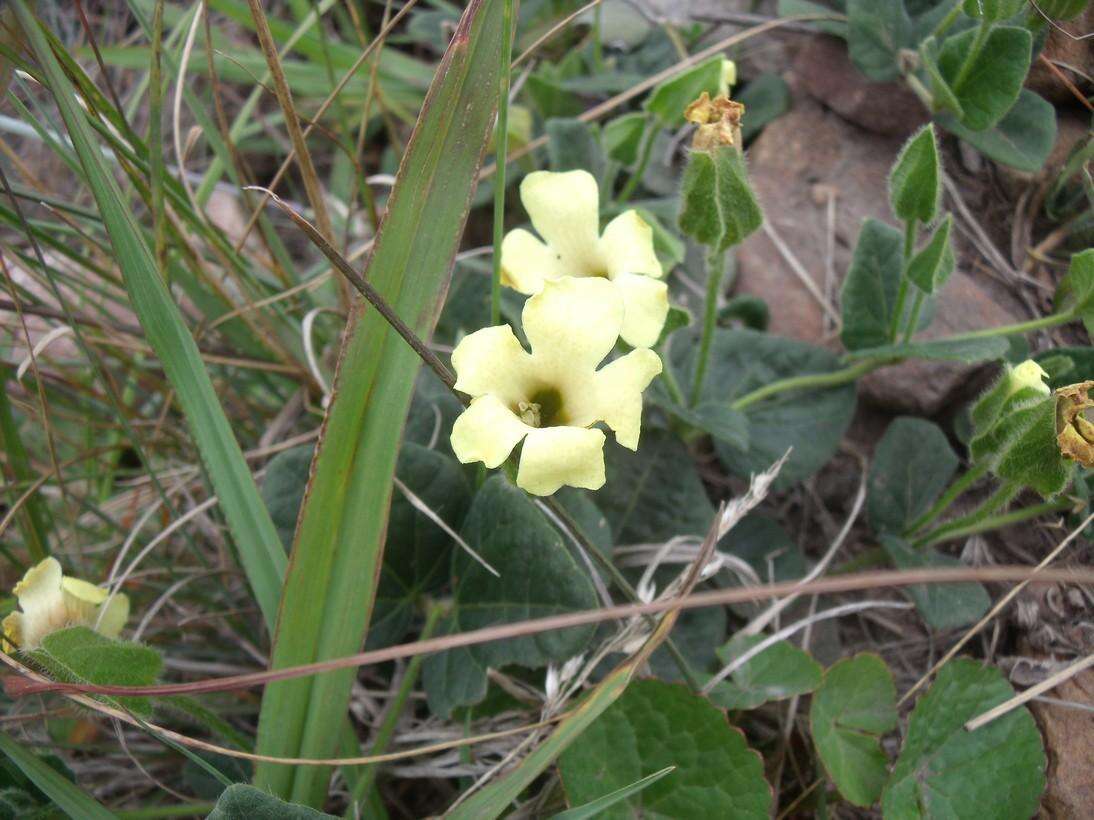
pixel 1028 374
pixel 50 601
pixel 565 211
pixel 551 397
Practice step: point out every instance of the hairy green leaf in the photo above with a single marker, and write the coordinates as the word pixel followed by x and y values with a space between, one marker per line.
pixel 242 802
pixel 655 725
pixel 932 265
pixel 876 32
pixel 642 504
pixel 990 87
pixel 538 577
pixel 869 293
pixel 1022 139
pixel 812 422
pixel 915 182
pixel 78 654
pixel 912 465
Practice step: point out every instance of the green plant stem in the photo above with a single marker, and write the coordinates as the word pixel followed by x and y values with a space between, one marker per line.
pixel 959 486
pixel 974 52
pixel 833 379
pixel 157 812
pixel 598 37
pixel 648 138
pixel 32 518
pixel 902 292
pixel 998 521
pixel 996 501
pixel 716 268
pixel 501 148
pixel 1020 327
pixel 947 21
pixel 394 711
pixel 913 319
pixel 668 378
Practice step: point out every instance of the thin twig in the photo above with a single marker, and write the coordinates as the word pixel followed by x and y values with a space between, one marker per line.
pixel 19 687
pixel 995 610
pixel 342 265
pixel 1046 685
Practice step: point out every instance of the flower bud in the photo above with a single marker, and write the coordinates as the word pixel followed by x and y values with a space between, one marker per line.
pixel 1074 431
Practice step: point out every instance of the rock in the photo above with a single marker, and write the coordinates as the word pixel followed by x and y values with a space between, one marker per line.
pixel 1069 742
pixel 798 162
pixel 1064 51
pixel 824 69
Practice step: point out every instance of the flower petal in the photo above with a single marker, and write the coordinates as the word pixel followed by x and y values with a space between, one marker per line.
pixel 619 388
pixel 12 630
pixel 557 456
pixel 40 588
pixel 627 246
pixel 572 324
pixel 526 262
pixel 112 618
pixel 565 211
pixel 82 600
pixel 645 306
pixel 492 361
pixel 487 431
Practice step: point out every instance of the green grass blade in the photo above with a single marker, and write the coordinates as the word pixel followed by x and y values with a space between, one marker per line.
pixel 259 549
pixel 495 798
pixel 595 807
pixel 32 519
pixel 331 585
pixel 68 797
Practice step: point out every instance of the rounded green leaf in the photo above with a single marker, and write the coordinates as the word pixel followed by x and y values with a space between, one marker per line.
pixel 912 466
pixel 998 771
pixel 655 725
pixel 854 707
pixel 780 671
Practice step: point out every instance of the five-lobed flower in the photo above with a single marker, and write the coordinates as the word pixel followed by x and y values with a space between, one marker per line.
pixel 565 211
pixel 550 397
pixel 50 601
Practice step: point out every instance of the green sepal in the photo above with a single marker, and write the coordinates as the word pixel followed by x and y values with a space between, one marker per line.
pixel 717 206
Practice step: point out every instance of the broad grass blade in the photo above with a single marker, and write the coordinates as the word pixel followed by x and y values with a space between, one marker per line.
pixel 335 563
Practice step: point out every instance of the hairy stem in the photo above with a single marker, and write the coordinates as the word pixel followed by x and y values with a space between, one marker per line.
pixel 716 267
